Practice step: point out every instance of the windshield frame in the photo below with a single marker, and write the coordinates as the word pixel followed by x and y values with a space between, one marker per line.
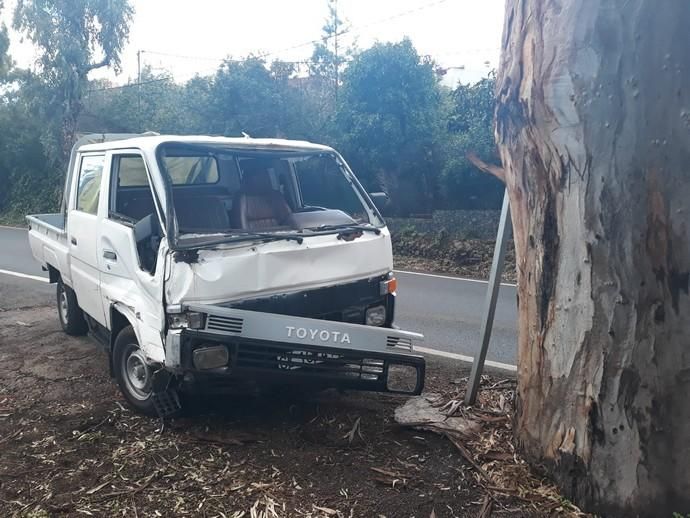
pixel 186 241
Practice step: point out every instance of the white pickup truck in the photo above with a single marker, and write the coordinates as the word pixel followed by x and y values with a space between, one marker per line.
pixel 201 262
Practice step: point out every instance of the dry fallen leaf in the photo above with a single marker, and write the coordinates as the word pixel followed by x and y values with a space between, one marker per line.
pixel 97 488
pixel 350 436
pixel 328 511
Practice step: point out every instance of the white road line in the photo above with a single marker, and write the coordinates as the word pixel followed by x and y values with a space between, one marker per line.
pixel 451 278
pixel 467 359
pixel 24 275
pixel 13 228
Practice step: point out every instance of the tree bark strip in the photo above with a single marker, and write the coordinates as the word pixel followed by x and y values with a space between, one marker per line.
pixel 593 128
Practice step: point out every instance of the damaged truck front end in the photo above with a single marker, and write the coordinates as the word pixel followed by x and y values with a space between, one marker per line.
pixel 243 313
pixel 299 289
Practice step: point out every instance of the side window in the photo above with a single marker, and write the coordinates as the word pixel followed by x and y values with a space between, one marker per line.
pixel 132 171
pixel 130 192
pixel 89 187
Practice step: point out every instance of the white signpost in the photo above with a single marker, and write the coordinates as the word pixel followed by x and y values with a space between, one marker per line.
pixel 490 302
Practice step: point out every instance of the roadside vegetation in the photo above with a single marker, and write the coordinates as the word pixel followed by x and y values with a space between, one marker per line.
pixel 409 141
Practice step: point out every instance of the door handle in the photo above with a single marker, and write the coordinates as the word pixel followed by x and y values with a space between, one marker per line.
pixel 74 241
pixel 110 255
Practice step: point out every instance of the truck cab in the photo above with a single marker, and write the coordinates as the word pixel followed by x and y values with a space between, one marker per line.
pixel 199 262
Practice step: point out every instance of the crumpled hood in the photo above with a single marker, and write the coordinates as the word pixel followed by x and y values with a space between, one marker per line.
pixel 230 273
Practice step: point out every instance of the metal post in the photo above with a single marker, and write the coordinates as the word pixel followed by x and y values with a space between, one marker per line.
pixel 490 303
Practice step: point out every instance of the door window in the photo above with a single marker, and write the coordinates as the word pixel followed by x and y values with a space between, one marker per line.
pixel 131 200
pixel 131 193
pixel 89 187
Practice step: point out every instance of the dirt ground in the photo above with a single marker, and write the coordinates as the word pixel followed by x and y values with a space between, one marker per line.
pixel 69 445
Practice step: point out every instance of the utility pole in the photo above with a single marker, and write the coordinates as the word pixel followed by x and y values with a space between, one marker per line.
pixel 139 90
pixel 337 63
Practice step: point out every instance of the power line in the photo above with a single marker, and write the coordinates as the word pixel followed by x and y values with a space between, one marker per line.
pixel 183 56
pixel 223 60
pixel 336 34
pixel 355 29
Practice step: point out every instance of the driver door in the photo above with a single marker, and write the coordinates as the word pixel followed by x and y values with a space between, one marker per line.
pixel 131 272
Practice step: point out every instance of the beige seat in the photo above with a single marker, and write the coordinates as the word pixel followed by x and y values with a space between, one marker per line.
pixel 257 205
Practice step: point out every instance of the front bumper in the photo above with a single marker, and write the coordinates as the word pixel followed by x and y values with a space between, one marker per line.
pixel 280 348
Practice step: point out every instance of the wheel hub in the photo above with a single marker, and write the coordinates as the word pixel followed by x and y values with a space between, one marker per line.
pixel 137 374
pixel 63 305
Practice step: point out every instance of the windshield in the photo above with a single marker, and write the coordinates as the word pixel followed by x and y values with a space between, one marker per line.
pixel 248 193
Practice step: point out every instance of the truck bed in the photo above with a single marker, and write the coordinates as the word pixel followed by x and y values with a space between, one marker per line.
pixel 57 220
pixel 48 241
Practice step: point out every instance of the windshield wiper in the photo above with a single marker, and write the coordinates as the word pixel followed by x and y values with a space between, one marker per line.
pixel 342 230
pixel 237 238
pixel 244 236
pixel 347 227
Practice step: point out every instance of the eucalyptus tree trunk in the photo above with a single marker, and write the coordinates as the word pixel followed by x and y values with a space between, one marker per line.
pixel 593 128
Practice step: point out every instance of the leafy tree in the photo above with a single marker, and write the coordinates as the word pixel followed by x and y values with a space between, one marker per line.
pixel 73 38
pixel 25 174
pixel 246 96
pixel 5 60
pixel 154 105
pixel 39 114
pixel 388 121
pixel 469 129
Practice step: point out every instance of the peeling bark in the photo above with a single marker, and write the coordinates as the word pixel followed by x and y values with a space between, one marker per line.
pixel 593 129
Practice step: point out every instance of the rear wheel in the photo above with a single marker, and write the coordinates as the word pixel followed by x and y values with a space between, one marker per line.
pixel 132 372
pixel 71 316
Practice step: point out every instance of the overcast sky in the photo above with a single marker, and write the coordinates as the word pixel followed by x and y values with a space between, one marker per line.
pixel 189 37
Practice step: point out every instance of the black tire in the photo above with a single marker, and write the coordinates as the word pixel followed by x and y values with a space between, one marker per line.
pixel 70 314
pixel 133 375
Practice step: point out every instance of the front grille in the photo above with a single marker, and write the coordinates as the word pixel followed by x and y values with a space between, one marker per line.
pixel 224 324
pixel 310 363
pixel 398 341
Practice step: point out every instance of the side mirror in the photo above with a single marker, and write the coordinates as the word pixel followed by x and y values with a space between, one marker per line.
pixel 380 199
pixel 146 228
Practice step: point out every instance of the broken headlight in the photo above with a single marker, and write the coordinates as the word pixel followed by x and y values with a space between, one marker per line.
pixel 187 320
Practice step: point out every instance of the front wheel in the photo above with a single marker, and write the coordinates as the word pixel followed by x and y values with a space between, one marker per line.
pixel 71 316
pixel 133 374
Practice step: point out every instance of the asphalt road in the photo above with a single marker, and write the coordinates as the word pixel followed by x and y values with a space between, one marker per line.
pixel 447 310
